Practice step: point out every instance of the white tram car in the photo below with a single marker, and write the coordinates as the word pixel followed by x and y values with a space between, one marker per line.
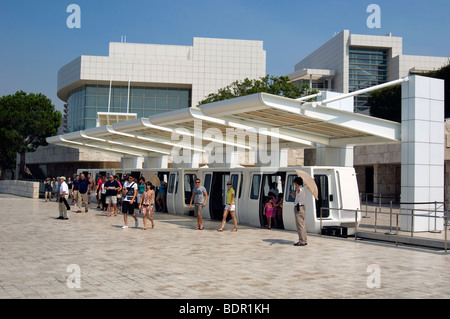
pixel 338 193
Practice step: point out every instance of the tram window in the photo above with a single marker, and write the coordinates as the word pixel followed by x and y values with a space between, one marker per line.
pixel 256 182
pixel 189 180
pixel 323 193
pixel 234 181
pixel 207 183
pixel 171 183
pixel 240 187
pixel 290 188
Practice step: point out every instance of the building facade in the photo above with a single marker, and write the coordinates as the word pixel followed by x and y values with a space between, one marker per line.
pixel 147 79
pixel 140 80
pixel 351 62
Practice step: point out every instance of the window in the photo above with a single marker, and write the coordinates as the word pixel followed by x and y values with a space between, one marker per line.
pixel 189 183
pixel 290 188
pixel 145 101
pixel 256 182
pixel 207 183
pixel 323 194
pixel 171 186
pixel 366 68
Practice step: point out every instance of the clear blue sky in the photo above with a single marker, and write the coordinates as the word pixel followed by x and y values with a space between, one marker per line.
pixel 36 42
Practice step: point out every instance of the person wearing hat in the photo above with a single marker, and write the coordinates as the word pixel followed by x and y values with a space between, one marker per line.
pixel 64 195
pixel 299 211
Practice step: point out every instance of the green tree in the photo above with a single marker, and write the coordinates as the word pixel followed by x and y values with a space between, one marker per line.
pixel 26 120
pixel 387 103
pixel 267 84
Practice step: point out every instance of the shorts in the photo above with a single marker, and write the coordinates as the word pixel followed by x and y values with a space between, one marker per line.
pixel 111 200
pixel 198 208
pixel 127 207
pixel 147 209
pixel 230 207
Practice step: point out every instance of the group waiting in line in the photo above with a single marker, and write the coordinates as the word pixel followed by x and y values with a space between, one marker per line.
pixel 126 195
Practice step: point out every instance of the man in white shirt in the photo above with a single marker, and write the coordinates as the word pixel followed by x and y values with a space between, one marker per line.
pixel 299 211
pixel 63 196
pixel 130 191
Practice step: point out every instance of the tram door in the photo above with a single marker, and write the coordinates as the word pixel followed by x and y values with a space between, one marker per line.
pixel 171 192
pixel 218 194
pixel 272 187
pixel 207 184
pixel 253 202
pixel 184 193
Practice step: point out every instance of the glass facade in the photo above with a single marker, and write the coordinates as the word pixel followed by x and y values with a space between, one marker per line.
pixel 366 68
pixel 85 102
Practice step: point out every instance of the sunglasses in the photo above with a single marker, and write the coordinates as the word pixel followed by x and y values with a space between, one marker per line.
pixel 228 184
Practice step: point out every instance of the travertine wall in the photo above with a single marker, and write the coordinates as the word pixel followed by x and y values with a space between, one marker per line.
pixel 20 188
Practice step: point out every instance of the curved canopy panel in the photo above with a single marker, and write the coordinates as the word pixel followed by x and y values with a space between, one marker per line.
pixel 312 122
pixel 240 122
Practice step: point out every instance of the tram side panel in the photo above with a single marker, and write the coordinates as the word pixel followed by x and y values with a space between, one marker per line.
pixel 179 190
pixel 338 193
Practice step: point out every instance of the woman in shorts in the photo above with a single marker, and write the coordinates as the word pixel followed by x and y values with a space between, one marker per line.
pixel 146 204
pixel 229 208
pixel 48 189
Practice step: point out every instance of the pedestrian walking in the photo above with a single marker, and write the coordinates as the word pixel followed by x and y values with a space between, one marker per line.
pixel 269 210
pixel 146 204
pixel 83 191
pixel 199 197
pixel 48 189
pixel 56 188
pixel 111 188
pixel 229 208
pixel 75 188
pixel 63 196
pixel 130 191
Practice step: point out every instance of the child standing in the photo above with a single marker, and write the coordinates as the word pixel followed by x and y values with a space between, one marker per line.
pixel 146 204
pixel 269 210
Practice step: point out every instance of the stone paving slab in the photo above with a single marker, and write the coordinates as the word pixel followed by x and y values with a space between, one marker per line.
pixel 174 261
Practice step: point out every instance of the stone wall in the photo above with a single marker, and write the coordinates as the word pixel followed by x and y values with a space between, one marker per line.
pixel 20 188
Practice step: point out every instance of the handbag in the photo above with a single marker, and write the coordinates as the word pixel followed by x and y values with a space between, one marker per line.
pixel 63 199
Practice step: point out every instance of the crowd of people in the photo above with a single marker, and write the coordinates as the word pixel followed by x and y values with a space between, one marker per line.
pixel 115 196
pixel 111 195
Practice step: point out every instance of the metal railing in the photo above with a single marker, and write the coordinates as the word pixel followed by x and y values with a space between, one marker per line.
pixel 435 213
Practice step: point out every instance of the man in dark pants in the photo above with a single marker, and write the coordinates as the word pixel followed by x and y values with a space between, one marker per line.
pixel 299 211
pixel 130 190
pixel 83 187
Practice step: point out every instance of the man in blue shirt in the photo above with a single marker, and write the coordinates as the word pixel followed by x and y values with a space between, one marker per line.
pixel 83 187
pixel 75 187
pixel 161 198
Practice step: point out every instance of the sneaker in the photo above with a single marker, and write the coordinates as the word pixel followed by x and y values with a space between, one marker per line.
pixel 124 227
pixel 136 223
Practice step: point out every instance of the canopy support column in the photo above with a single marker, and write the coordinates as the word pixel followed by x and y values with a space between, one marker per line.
pixel 422 151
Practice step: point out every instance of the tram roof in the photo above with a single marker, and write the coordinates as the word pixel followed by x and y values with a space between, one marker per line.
pixel 292 122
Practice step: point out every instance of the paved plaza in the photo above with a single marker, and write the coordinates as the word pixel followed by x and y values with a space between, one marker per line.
pixel 91 256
